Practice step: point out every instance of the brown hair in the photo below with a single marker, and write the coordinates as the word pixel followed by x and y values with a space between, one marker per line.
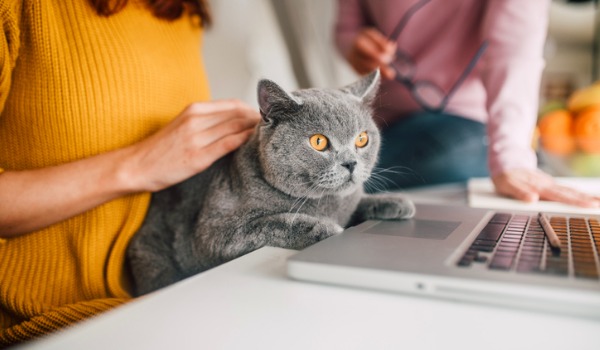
pixel 166 9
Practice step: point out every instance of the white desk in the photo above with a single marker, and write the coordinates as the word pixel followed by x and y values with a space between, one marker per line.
pixel 249 303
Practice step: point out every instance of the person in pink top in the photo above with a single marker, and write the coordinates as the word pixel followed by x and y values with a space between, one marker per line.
pixel 460 93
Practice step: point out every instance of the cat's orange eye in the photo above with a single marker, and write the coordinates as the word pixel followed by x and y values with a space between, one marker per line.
pixel 362 139
pixel 319 142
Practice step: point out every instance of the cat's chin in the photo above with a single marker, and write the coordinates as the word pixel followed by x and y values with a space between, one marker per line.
pixel 343 190
pixel 347 188
pixel 351 185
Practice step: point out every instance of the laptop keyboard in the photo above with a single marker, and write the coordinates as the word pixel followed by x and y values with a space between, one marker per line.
pixel 518 243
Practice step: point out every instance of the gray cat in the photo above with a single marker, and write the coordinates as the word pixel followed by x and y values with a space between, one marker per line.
pixel 298 180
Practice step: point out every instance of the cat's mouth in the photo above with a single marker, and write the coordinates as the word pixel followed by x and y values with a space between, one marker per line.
pixel 350 185
pixel 339 184
pixel 352 180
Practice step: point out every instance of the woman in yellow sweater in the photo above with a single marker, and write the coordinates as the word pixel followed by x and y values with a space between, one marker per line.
pixel 96 111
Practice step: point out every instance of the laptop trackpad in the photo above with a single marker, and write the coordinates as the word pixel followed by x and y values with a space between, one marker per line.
pixel 416 228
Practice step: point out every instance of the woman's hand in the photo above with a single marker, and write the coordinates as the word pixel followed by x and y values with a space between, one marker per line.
pixel 371 50
pixel 200 135
pixel 534 185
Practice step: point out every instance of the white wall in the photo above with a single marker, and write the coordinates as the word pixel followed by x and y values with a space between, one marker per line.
pixel 311 22
pixel 570 38
pixel 243 46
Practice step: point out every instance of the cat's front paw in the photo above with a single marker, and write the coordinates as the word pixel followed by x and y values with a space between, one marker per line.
pixel 321 229
pixel 391 207
pixel 325 229
pixel 298 231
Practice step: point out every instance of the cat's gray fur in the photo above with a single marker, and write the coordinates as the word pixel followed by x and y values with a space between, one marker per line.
pixel 275 190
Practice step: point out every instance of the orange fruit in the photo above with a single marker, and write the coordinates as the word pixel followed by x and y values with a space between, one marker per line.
pixel 585 97
pixel 556 132
pixel 587 129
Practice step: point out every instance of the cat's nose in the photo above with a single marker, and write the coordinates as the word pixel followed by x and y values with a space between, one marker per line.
pixel 350 166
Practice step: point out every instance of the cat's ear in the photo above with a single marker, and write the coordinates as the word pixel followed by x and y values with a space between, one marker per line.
pixel 366 88
pixel 270 96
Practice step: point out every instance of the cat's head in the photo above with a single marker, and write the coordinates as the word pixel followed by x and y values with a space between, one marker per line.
pixel 317 142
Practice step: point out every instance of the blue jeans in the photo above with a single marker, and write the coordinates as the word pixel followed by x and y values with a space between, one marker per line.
pixel 430 148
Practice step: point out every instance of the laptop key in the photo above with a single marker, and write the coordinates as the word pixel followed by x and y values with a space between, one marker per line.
pixel 501 262
pixel 561 270
pixel 501 218
pixel 529 266
pixel 464 262
pixel 480 258
pixel 483 248
pixel 491 232
pixel 468 258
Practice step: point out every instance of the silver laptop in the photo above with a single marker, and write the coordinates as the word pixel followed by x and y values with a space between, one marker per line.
pixel 468 254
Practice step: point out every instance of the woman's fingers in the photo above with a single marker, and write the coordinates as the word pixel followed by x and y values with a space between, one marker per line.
pixel 222 147
pixel 569 195
pixel 204 108
pixel 519 192
pixel 372 50
pixel 533 185
pixel 228 126
pixel 515 188
pixel 206 115
pixel 384 48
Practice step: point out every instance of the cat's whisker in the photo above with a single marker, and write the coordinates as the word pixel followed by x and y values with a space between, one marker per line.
pixel 379 176
pixel 306 197
pixel 298 185
pixel 372 187
pixel 393 170
pixel 321 197
pixel 296 202
pixel 298 210
pixel 406 171
pixel 298 199
pixel 380 183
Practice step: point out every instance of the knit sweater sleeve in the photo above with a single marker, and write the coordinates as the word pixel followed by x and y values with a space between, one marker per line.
pixel 9 45
pixel 516 31
pixel 9 48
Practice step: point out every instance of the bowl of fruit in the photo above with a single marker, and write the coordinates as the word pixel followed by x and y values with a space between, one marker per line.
pixel 569 134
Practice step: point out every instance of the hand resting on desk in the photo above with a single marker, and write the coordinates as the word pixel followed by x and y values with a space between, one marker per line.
pixel 534 185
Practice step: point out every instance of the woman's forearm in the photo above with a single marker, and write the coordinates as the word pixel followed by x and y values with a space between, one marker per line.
pixel 34 199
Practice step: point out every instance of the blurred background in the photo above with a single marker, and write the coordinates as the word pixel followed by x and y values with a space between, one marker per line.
pixel 287 41
pixel 291 42
pixel 571 48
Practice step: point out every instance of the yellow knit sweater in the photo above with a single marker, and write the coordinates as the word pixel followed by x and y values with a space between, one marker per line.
pixel 72 85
